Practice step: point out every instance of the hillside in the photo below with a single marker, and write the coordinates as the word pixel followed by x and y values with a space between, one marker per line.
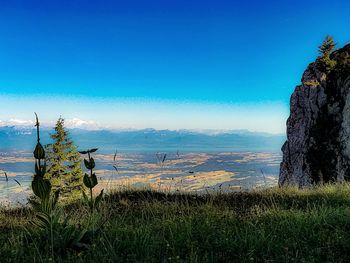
pixel 142 226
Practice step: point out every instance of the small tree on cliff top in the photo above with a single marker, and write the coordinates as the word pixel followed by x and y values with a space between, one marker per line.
pixel 64 163
pixel 325 50
pixel 327 46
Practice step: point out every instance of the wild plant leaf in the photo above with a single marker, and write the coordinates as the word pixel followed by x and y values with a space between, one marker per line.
pixel 89 164
pixel 41 187
pixel 93 150
pixel 87 181
pixel 115 155
pixel 86 163
pixel 39 152
pixel 17 182
pixel 93 180
pixel 7 179
pixel 92 163
pixel 36 119
pixel 38 223
pixel 42 220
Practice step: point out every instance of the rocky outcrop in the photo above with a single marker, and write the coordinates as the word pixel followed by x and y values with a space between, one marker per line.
pixel 317 149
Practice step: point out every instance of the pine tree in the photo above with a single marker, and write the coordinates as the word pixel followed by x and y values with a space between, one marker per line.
pixel 325 50
pixel 64 163
pixel 327 46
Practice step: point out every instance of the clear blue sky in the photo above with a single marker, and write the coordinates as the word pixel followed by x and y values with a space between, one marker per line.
pixel 168 64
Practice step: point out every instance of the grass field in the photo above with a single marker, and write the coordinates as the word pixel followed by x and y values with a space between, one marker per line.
pixel 272 225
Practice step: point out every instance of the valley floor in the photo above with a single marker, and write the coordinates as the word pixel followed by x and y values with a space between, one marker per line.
pixel 191 172
pixel 275 225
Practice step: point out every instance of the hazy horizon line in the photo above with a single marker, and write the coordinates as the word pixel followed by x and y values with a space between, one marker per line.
pixel 29 124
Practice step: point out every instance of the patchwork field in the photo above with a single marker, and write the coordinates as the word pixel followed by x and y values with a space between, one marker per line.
pixel 192 172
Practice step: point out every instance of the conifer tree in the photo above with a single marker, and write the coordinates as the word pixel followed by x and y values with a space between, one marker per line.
pixel 325 50
pixel 64 163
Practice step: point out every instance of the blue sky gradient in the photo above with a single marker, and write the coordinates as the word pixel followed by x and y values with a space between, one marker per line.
pixel 232 57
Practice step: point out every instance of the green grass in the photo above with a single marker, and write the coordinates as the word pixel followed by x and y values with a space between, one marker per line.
pixel 272 225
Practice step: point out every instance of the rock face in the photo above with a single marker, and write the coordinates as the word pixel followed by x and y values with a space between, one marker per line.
pixel 317 149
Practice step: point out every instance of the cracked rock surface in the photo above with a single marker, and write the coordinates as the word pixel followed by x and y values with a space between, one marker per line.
pixel 317 149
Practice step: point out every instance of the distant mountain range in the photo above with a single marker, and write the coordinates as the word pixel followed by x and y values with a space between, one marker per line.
pixel 15 138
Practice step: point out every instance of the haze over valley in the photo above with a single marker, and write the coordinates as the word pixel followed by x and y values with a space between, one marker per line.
pixel 194 161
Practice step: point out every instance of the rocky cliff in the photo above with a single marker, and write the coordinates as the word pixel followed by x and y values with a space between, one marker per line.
pixel 317 149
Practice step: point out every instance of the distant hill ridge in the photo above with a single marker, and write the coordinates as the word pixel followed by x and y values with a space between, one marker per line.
pixel 23 138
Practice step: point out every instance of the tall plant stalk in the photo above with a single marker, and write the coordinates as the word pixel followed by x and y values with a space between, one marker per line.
pixel 90 181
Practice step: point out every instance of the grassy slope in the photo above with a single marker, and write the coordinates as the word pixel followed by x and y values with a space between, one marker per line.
pixel 143 226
